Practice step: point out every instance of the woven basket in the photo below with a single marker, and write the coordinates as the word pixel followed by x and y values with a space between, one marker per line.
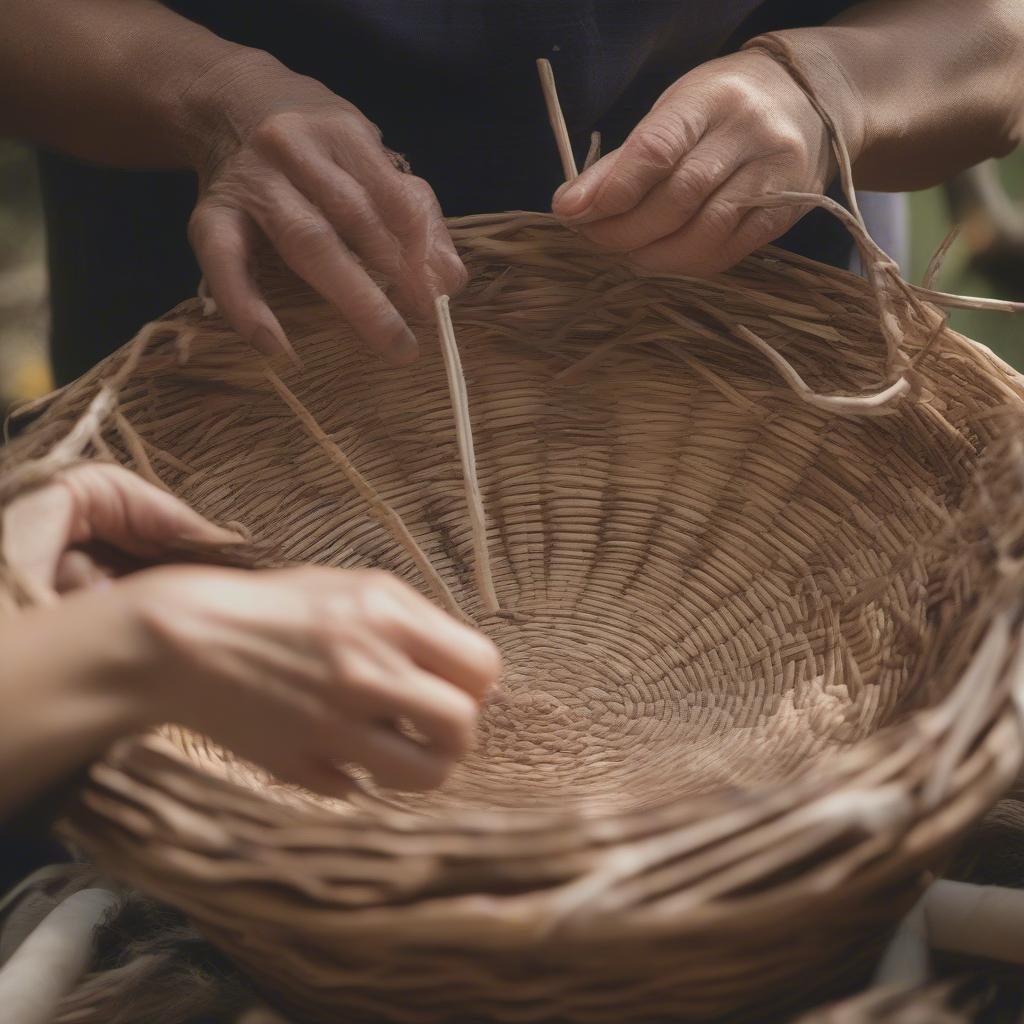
pixel 761 632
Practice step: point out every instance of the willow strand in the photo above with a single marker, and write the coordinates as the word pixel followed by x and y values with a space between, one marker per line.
pixel 376 505
pixel 467 454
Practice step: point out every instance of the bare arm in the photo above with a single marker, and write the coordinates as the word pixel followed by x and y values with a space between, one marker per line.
pixel 303 671
pixel 918 88
pixel 278 156
pixel 921 88
pixel 107 80
pixel 65 693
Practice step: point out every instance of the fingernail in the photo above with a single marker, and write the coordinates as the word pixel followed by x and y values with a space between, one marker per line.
pixel 272 345
pixel 570 199
pixel 210 536
pixel 404 347
pixel 458 273
pixel 494 696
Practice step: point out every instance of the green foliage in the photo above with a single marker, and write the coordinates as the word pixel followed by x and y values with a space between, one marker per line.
pixel 930 220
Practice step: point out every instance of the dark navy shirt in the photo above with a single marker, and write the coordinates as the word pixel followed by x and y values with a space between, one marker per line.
pixel 453 86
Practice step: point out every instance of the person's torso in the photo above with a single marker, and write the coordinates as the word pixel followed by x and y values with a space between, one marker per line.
pixel 453 85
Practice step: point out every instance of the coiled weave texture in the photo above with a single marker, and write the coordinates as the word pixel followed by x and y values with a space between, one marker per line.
pixel 761 652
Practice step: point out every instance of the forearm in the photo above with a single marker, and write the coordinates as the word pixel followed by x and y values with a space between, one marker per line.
pixel 111 81
pixel 920 88
pixel 68 689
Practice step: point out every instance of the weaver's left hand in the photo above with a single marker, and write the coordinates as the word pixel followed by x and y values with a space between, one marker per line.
pixel 672 195
pixel 96 503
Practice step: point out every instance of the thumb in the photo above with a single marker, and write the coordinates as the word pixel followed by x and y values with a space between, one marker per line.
pixel 622 178
pixel 572 200
pixel 97 502
pixel 113 505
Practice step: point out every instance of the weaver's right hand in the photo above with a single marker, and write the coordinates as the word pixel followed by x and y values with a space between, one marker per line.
pixel 280 155
pixel 305 671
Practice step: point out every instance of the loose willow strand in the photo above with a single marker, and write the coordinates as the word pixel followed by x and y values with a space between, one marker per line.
pixel 935 263
pixel 557 119
pixel 71 447
pixel 833 403
pixel 467 454
pixel 378 508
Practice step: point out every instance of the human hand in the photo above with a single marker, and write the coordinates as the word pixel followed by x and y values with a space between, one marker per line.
pixel 281 156
pixel 304 671
pixel 45 530
pixel 674 194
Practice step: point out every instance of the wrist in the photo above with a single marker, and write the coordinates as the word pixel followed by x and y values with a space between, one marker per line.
pixel 73 682
pixel 82 662
pixel 211 110
pixel 810 58
pixel 218 105
pixel 158 631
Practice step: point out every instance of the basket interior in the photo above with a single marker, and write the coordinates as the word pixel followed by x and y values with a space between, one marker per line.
pixel 708 582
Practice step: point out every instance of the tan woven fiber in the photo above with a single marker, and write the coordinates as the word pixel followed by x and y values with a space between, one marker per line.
pixel 746 702
pixel 755 545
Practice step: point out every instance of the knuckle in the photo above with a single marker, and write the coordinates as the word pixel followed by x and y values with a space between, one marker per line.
pixel 429 773
pixel 784 136
pixel 276 133
pixel 692 182
pixel 417 189
pixel 765 226
pixel 741 93
pixel 360 675
pixel 196 224
pixel 490 661
pixel 410 201
pixel 656 144
pixel 460 722
pixel 305 234
pixel 719 219
pixel 378 605
pixel 369 306
pixel 456 275
pixel 435 772
pixel 200 225
pixel 356 208
pixel 612 236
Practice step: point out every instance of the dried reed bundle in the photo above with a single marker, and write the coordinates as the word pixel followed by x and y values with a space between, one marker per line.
pixel 755 543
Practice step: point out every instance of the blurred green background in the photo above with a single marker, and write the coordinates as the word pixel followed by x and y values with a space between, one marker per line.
pixel 23 314
pixel 930 221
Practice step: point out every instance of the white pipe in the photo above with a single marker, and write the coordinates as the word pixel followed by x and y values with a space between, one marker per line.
pixel 48 964
pixel 977 920
pixel 907 960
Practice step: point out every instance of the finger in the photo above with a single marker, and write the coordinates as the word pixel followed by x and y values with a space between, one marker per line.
pixel 222 240
pixel 261 1015
pixel 376 682
pixel 321 776
pixel 77 571
pixel 448 649
pixel 97 501
pixel 349 209
pixel 312 248
pixel 433 265
pixel 412 625
pixel 411 211
pixel 293 765
pixel 620 180
pixel 36 528
pixel 113 505
pixel 723 231
pixel 395 761
pixel 673 202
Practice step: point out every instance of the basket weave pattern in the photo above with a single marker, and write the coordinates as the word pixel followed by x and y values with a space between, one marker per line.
pixel 760 652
